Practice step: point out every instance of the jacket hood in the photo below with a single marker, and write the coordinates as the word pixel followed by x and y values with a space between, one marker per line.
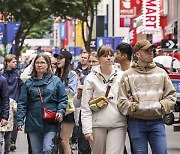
pixel 145 70
pixel 97 71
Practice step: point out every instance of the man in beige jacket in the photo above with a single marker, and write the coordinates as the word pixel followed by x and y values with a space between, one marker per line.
pixel 146 94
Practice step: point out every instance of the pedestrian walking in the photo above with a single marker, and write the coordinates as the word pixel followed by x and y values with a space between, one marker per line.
pixel 12 74
pixel 83 63
pixel 70 81
pixel 4 108
pixel 43 89
pixel 5 130
pixel 105 128
pixel 146 94
pixel 83 144
pixel 124 53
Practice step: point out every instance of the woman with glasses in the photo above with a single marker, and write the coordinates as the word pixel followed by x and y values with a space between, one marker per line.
pixel 30 107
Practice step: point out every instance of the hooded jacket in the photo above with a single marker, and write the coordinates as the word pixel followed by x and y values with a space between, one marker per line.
pixel 146 93
pixel 30 107
pixel 94 86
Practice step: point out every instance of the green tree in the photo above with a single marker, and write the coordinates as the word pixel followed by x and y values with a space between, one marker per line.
pixel 32 14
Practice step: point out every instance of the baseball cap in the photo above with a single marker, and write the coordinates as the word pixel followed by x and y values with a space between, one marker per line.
pixel 143 44
pixel 64 54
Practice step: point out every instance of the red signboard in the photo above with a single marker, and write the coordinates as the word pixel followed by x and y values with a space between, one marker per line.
pixel 128 10
pixel 151 20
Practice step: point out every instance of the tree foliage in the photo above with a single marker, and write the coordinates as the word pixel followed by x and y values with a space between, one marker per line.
pixel 36 16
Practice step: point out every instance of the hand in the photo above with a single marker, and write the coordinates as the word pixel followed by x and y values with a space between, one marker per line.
pixel 4 122
pixel 89 137
pixel 79 91
pixel 20 128
pixel 59 117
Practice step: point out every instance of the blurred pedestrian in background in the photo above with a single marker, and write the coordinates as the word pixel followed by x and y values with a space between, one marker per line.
pixel 124 53
pixel 4 113
pixel 5 131
pixel 30 108
pixel 83 63
pixel 12 74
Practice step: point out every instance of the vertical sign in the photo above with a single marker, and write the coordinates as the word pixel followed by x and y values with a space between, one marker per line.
pixel 79 41
pixel 56 34
pixel 62 31
pixel 151 16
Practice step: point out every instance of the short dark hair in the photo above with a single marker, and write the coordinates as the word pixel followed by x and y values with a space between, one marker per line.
pixel 125 48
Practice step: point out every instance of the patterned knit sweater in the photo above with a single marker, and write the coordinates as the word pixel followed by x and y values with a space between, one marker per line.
pixel 146 93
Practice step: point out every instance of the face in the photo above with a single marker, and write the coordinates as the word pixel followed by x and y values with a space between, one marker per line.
pixel 93 61
pixel 53 62
pixel 120 57
pixel 84 58
pixel 41 65
pixel 107 60
pixel 60 62
pixel 12 64
pixel 145 56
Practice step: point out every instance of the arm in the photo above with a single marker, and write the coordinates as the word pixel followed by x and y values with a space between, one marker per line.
pixel 4 99
pixel 169 98
pixel 72 83
pixel 22 106
pixel 61 97
pixel 77 97
pixel 25 75
pixel 126 103
pixel 86 113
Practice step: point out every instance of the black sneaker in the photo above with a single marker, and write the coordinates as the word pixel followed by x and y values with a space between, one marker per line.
pixel 12 147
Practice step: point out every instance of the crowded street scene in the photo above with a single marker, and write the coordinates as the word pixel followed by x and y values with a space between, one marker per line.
pixel 90 77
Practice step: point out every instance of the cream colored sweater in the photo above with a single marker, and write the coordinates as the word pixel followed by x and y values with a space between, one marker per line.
pixel 146 93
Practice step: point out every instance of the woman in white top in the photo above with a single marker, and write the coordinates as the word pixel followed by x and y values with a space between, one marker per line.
pixel 105 129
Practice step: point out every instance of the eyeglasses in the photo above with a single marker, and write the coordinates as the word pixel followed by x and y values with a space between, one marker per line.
pixel 40 63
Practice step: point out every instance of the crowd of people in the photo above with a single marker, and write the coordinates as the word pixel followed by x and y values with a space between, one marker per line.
pixel 96 103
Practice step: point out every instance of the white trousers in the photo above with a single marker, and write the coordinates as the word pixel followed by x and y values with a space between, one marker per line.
pixel 108 140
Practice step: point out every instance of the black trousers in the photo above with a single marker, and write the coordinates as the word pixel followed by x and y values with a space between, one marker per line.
pixel 83 144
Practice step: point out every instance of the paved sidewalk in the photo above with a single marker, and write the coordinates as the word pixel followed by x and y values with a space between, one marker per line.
pixel 172 139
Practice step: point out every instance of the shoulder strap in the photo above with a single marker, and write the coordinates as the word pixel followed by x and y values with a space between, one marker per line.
pixel 107 90
pixel 41 99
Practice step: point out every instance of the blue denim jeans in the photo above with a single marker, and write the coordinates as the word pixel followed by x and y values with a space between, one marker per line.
pixel 144 131
pixel 42 143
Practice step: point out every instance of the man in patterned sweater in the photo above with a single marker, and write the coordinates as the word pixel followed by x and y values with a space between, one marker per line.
pixel 146 94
